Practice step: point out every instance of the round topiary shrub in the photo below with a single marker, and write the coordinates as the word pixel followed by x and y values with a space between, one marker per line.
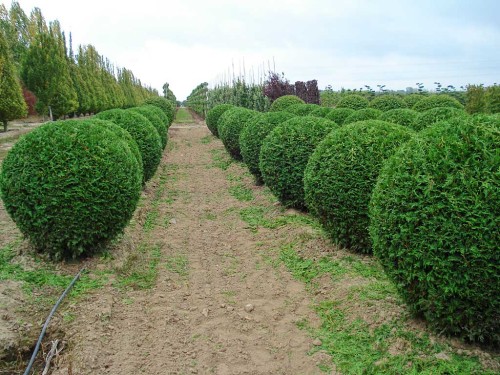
pixel 284 154
pixel 214 115
pixel 302 109
pixel 253 135
pixel 438 100
pixel 144 134
pixel 165 105
pixel 404 116
pixel 70 186
pixel 387 102
pixel 434 115
pixel 285 101
pixel 412 99
pixel 149 112
pixel 341 175
pixel 353 101
pixel 230 125
pixel 434 225
pixel 338 115
pixel 321 112
pixel 363 115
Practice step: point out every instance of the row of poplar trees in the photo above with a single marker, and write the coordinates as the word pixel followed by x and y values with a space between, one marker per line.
pixel 35 56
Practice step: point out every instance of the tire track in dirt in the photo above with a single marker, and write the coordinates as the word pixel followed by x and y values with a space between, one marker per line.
pixel 195 320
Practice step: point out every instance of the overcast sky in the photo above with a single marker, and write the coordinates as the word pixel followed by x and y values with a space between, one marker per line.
pixel 342 43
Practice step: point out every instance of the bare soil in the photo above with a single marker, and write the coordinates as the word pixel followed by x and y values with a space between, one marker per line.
pixel 228 313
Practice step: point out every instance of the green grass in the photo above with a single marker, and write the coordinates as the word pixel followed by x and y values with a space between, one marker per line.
pixel 141 268
pixel 241 193
pixel 207 139
pixel 178 264
pixel 220 159
pixel 183 116
pixel 358 348
pixel 259 217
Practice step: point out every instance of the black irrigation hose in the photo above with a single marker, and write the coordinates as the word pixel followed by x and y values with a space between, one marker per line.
pixel 45 326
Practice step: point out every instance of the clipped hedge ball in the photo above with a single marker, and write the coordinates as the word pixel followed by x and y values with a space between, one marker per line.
pixel 405 117
pixel 363 115
pixel 434 115
pixel 302 109
pixel 412 99
pixel 285 101
pixel 71 186
pixel 213 116
pixel 144 134
pixel 353 101
pixel 284 155
pixel 338 115
pixel 165 105
pixel 230 125
pixel 155 120
pixel 321 112
pixel 253 135
pixel 438 100
pixel 341 175
pixel 435 220
pixel 385 103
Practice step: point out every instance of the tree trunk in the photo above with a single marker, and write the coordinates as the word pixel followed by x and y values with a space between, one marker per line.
pixel 4 126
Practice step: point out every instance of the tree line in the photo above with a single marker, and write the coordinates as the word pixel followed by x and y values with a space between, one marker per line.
pixel 37 58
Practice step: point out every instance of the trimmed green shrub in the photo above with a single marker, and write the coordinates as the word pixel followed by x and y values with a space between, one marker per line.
pixel 438 100
pixel 165 105
pixel 412 99
pixel 285 101
pixel 338 115
pixel 434 115
pixel 387 102
pixel 284 154
pixel 341 175
pixel 71 186
pixel 144 134
pixel 355 102
pixel 214 115
pixel 157 121
pixel 404 116
pixel 434 225
pixel 321 112
pixel 230 125
pixel 302 109
pixel 363 115
pixel 253 135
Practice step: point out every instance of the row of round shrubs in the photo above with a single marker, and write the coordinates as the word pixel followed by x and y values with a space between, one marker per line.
pixel 425 199
pixel 72 186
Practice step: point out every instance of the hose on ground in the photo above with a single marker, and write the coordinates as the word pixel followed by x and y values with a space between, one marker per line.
pixel 46 325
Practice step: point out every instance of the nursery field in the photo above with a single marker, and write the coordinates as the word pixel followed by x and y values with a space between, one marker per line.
pixel 214 276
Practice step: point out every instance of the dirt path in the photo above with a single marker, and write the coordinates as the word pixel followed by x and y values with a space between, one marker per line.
pixel 215 305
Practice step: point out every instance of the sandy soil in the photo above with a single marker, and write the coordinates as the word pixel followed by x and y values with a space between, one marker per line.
pixel 225 312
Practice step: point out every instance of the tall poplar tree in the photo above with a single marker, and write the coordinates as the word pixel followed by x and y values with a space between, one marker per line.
pixel 12 103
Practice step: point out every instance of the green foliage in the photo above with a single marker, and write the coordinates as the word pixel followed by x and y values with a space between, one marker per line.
pixel 338 115
pixel 341 175
pixel 363 115
pixel 197 100
pixel 438 100
pixel 285 101
pixel 353 101
pixel 434 115
pixel 156 119
pixel 213 116
pixel 492 98
pixel 70 186
pixel 12 103
pixel 329 98
pixel 475 101
pixel 239 93
pixel 434 225
pixel 301 109
pixel 404 116
pixel 230 126
pixel 321 112
pixel 284 155
pixel 165 105
pixel 144 134
pixel 412 99
pixel 253 135
pixel 387 102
